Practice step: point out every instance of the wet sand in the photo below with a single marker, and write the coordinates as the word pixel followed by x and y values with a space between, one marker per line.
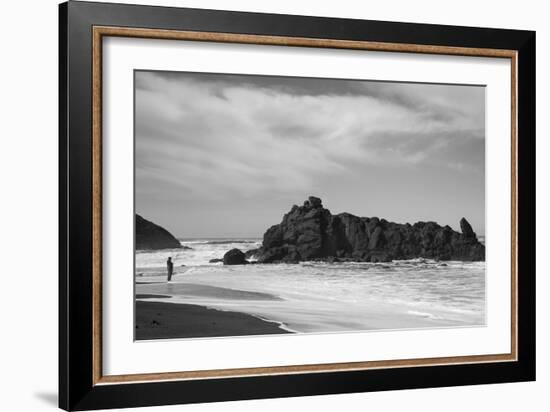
pixel 204 291
pixel 160 320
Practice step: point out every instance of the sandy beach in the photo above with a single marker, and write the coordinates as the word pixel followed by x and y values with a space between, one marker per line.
pixel 160 320
pixel 210 301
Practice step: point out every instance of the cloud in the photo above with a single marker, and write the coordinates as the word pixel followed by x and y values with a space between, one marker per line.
pixel 213 135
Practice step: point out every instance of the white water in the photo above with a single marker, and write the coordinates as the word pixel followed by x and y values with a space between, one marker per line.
pixel 322 297
pixel 202 250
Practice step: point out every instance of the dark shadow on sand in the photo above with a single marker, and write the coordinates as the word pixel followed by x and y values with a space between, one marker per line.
pixel 197 290
pixel 151 296
pixel 160 320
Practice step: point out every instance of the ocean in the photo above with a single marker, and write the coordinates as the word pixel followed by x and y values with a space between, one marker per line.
pixel 315 297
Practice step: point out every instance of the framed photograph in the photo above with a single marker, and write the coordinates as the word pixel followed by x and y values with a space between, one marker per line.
pixel 256 205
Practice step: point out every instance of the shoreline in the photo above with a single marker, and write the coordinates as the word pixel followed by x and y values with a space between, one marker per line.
pixel 163 320
pixel 313 298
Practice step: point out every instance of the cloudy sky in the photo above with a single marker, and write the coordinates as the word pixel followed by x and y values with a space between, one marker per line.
pixel 227 155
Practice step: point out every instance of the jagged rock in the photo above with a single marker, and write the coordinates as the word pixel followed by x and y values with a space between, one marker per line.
pixel 234 257
pixel 150 236
pixel 311 232
pixel 315 202
pixel 466 228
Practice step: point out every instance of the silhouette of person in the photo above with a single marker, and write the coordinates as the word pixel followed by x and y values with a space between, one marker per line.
pixel 170 268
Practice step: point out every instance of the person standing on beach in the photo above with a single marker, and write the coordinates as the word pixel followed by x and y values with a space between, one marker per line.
pixel 170 268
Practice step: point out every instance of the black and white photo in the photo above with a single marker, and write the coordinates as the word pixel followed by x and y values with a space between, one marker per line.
pixel 271 204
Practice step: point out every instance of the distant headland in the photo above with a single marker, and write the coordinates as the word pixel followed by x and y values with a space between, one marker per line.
pixel 150 236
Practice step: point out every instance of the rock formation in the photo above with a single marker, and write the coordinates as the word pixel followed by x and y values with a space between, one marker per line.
pixel 311 232
pixel 252 253
pixel 234 257
pixel 150 236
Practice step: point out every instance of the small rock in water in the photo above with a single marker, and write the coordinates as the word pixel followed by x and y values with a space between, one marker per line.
pixel 234 257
